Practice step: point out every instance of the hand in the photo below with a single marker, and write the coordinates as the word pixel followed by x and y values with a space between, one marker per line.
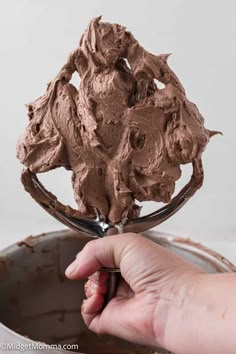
pixel 154 282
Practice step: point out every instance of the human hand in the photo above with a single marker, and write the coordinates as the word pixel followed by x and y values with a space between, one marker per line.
pixel 154 282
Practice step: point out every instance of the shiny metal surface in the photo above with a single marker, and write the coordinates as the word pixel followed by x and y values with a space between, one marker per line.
pixel 100 227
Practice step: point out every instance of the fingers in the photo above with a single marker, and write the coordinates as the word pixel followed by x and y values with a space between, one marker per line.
pixel 91 307
pixel 105 252
pixel 124 316
pixel 121 318
pixel 85 264
pixel 99 278
pixel 142 263
pixel 150 273
pixel 100 322
pixel 124 291
pixel 97 284
pixel 95 289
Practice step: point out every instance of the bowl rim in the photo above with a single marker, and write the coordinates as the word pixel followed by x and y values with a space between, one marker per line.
pixel 221 263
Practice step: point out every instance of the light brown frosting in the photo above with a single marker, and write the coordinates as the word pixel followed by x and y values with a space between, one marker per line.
pixel 122 136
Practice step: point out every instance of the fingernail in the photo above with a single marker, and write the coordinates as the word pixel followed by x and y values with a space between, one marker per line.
pixel 72 267
pixel 96 276
pixel 86 285
pixel 83 305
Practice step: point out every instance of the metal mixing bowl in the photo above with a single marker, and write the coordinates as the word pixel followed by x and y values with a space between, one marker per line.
pixel 38 302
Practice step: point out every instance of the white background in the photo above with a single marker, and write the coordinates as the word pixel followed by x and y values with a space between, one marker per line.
pixel 36 37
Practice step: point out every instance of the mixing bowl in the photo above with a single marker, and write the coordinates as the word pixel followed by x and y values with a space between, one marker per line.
pixel 38 304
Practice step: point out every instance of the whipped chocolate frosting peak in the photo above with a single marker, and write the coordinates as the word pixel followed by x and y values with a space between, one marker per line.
pixel 123 137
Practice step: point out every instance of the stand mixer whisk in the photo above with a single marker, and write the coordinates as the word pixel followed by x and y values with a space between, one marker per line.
pixel 99 226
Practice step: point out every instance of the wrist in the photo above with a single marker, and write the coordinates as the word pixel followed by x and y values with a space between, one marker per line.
pixel 199 319
pixel 180 304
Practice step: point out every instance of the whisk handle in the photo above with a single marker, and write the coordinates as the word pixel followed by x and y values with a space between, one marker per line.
pixel 113 281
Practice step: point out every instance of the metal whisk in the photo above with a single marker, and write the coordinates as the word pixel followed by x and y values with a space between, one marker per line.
pixel 100 226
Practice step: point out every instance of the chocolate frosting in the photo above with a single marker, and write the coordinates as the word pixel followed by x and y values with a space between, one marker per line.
pixel 123 136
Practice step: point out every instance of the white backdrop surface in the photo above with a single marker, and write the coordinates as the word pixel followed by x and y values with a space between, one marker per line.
pixel 35 39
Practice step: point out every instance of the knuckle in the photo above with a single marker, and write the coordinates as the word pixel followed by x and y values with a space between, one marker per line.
pixel 131 235
pixel 99 330
pixel 89 246
pixel 94 325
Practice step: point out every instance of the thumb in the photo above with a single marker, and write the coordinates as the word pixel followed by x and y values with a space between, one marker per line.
pixel 104 252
